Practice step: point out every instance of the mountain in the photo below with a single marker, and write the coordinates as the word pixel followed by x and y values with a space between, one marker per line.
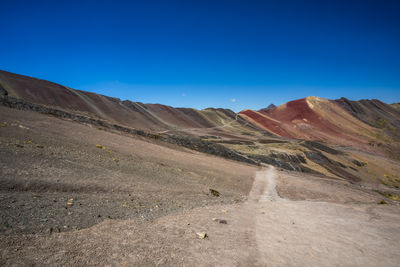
pixel 366 124
pixel 373 112
pixel 352 140
pixel 270 106
pixel 152 117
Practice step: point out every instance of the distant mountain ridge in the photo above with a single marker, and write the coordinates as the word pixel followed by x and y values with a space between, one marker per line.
pixel 364 124
pixel 270 106
pixel 344 139
pixel 153 117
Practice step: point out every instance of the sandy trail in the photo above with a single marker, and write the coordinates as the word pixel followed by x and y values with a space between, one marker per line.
pixel 270 193
pixel 306 233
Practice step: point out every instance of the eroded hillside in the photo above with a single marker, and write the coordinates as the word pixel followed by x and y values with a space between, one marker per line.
pixel 150 117
pixel 352 140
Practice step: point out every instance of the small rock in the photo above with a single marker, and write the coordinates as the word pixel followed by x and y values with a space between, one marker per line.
pixel 220 221
pixel 70 204
pixel 214 192
pixel 202 235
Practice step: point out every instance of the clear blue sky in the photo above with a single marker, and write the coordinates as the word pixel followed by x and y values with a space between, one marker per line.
pixel 234 54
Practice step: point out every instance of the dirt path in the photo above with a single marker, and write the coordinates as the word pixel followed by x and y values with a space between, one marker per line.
pixel 266 230
pixel 269 193
pixel 306 233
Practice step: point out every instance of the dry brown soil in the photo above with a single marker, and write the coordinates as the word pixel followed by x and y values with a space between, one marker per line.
pixel 158 199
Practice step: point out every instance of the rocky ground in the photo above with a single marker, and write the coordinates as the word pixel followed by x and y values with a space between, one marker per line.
pixel 59 176
pixel 74 194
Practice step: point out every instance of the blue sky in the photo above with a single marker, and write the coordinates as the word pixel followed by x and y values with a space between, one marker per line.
pixel 232 54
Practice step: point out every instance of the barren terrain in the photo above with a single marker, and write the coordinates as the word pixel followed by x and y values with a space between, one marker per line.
pixel 313 182
pixel 312 135
pixel 74 194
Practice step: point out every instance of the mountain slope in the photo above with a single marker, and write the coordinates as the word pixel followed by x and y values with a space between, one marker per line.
pixel 375 113
pixel 153 117
pixel 396 106
pixel 367 124
pixel 337 139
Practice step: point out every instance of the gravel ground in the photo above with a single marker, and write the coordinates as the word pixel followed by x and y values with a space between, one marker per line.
pixel 58 176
